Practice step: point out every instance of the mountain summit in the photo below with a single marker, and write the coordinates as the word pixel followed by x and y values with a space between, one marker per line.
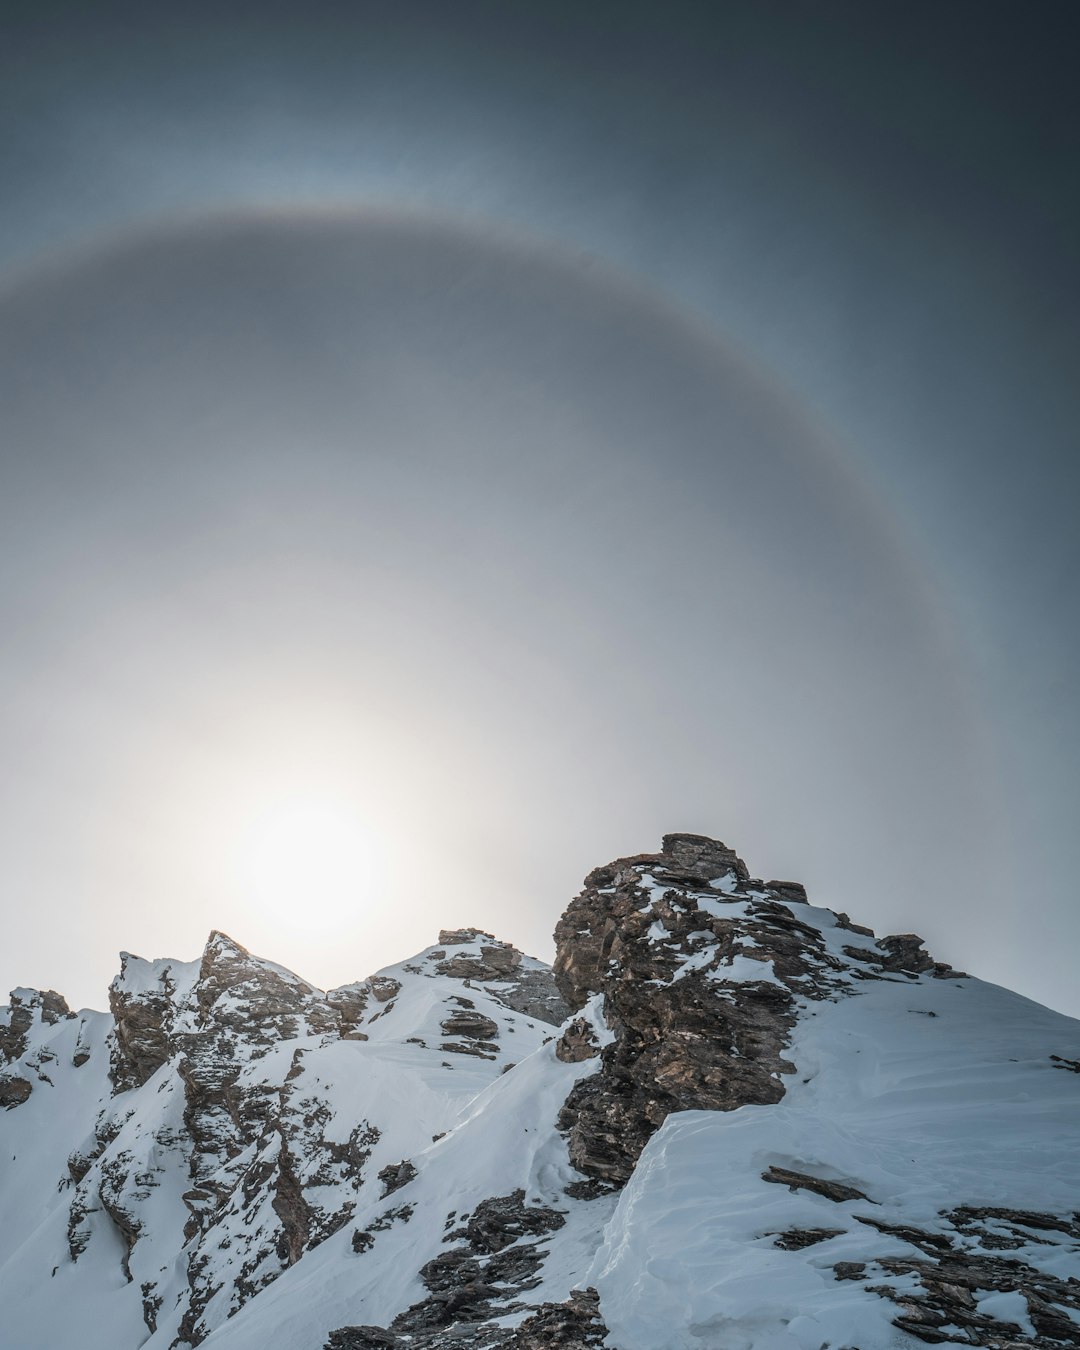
pixel 726 1119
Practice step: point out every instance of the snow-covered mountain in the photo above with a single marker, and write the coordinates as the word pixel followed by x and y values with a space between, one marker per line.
pixel 726 1120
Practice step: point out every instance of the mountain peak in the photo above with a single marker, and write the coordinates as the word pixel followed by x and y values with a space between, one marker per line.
pixel 222 942
pixel 759 1122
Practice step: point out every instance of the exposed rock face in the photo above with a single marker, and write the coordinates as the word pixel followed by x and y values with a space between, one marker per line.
pixel 269 1170
pixel 573 1325
pixel 395 1175
pixel 496 1258
pixel 578 1042
pixel 699 967
pixel 29 1012
pixel 475 1025
pixel 143 1018
pixel 515 980
pixel 27 1007
pixel 799 1181
pixel 938 1292
pixel 652 935
pixel 14 1091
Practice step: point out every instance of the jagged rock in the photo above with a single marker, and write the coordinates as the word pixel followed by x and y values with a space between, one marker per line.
pixel 471 966
pixel 501 1220
pixel 905 953
pixel 795 1239
pixel 648 934
pixel 361 1338
pixel 463 1022
pixel 292 1209
pixel 942 1307
pixel 54 1007
pixel 519 984
pixel 793 891
pixel 467 1284
pixel 477 1049
pixel 578 1042
pixel 262 1001
pixel 78 1165
pixel 111 1192
pixel 13 1092
pixel 573 1325
pixel 461 937
pixel 19 1020
pixel 844 921
pixel 396 1175
pixel 26 1007
pixel 350 1003
pixel 799 1181
pixel 384 988
pixel 142 1023
pixel 586 933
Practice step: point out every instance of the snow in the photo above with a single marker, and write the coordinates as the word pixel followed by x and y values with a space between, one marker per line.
pixel 920 1113
pixel 139 976
pixel 923 1094
pixel 503 1140
pixel 744 970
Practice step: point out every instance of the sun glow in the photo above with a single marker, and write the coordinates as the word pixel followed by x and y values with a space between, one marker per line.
pixel 310 865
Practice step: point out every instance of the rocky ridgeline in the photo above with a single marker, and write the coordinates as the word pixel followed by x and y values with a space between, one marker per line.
pixel 700 967
pixel 253 1117
pixel 691 973
pixel 29 1010
pixel 228 1045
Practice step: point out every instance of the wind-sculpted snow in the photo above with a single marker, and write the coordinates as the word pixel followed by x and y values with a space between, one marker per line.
pixel 758 1128
pixel 939 1102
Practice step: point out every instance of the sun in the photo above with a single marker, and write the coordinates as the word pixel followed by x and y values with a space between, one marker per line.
pixel 309 864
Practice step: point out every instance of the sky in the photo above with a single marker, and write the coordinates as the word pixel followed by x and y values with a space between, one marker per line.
pixel 446 447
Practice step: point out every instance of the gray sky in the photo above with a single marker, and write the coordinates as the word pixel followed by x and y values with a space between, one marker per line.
pixel 523 430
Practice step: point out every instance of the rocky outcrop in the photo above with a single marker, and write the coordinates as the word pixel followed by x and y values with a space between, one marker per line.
pixel 958 1289
pixel 573 1325
pixel 799 1181
pixel 516 981
pixel 143 1012
pixel 902 954
pixel 578 1042
pixel 466 1022
pixel 257 1141
pixel 14 1091
pixel 270 1170
pixel 395 1175
pixel 697 966
pixel 30 1012
pixel 27 1008
pixel 497 1257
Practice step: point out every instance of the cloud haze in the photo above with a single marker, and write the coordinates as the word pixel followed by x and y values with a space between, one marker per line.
pixel 713 471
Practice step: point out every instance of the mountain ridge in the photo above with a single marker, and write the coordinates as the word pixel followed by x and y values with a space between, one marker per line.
pixel 468 1149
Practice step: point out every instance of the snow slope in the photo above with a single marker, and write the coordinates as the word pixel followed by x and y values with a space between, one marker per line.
pixel 924 1096
pixel 235 1159
pixel 264 1129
